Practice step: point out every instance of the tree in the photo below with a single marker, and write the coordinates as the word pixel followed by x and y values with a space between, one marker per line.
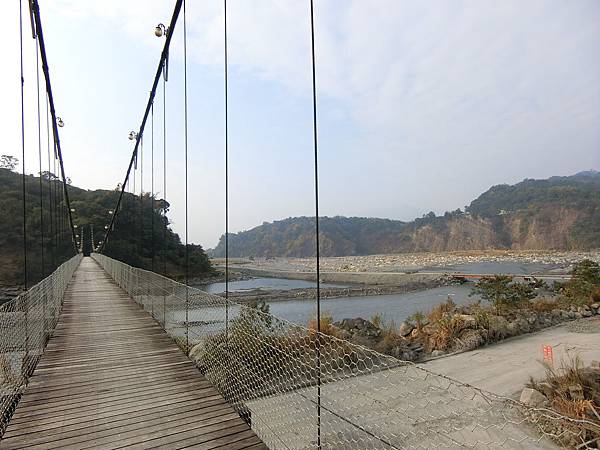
pixel 585 282
pixel 500 290
pixel 8 162
pixel 48 176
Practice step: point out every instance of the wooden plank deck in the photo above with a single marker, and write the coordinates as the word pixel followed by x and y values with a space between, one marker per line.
pixel 111 378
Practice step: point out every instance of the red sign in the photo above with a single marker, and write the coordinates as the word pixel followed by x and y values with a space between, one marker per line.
pixel 548 354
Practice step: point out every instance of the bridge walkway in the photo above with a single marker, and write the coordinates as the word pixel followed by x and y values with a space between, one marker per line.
pixel 112 378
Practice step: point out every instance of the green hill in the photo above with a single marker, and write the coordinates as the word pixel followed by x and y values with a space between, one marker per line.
pixel 559 213
pixel 131 240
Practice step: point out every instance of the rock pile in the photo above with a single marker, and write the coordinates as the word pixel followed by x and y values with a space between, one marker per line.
pixel 465 328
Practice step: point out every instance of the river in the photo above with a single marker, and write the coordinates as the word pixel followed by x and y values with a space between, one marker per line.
pixel 392 307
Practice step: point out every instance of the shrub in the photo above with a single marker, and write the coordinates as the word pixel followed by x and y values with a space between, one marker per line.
pixel 584 286
pixel 326 325
pixel 542 305
pixel 418 318
pixel 376 320
pixel 441 310
pixel 445 333
pixel 574 391
pixel 500 290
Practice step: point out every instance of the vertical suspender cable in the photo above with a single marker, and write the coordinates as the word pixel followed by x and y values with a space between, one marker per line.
pixel 141 248
pixel 152 189
pixel 55 202
pixel 25 306
pixel 50 205
pixel 37 68
pixel 35 9
pixel 23 149
pixel 185 128
pixel 164 241
pixel 316 157
pixel 226 175
pixel 164 249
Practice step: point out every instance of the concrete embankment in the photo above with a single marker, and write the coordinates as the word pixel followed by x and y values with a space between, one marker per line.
pixel 371 278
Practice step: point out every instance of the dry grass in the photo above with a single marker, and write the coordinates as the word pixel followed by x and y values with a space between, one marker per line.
pixel 542 305
pixel 326 325
pixel 441 310
pixel 574 391
pixel 445 334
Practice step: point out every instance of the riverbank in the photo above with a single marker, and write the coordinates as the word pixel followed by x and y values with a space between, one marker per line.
pixel 414 262
pixel 273 295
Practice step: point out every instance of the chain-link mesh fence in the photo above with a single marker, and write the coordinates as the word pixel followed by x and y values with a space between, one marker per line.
pixel 302 389
pixel 26 323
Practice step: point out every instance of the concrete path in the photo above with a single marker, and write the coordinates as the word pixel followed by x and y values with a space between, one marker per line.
pixel 504 368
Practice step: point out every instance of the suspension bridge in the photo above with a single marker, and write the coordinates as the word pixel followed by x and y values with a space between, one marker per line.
pixel 100 354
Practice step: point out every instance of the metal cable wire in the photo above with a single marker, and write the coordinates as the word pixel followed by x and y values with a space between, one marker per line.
pixel 23 148
pixel 226 76
pixel 35 9
pixel 165 219
pixel 317 246
pixel 37 74
pixel 162 64
pixel 152 188
pixel 185 132
pixel 50 203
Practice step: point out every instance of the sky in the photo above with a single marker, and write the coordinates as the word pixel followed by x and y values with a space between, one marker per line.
pixel 422 106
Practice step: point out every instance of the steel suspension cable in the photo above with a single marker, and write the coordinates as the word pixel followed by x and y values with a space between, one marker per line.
pixel 164 246
pixel 141 196
pixel 152 187
pixel 185 127
pixel 23 148
pixel 37 69
pixel 226 76
pixel 50 203
pixel 161 66
pixel 40 41
pixel 316 167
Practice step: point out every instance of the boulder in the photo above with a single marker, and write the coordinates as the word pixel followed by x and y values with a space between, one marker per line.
pixel 531 397
pixel 498 326
pixel 595 306
pixel 465 321
pixel 358 331
pixel 404 354
pixel 587 313
pixel 358 326
pixel 406 328
pixel 545 388
pixel 470 340
pixel 513 328
pixel 437 353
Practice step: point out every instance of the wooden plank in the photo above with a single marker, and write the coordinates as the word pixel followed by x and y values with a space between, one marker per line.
pixel 111 377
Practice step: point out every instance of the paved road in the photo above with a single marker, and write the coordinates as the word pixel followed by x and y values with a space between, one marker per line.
pixel 505 367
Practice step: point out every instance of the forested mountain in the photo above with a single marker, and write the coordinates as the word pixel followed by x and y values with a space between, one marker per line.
pixel 137 229
pixel 557 213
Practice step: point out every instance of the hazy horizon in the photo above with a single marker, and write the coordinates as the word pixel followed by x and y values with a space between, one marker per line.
pixel 421 107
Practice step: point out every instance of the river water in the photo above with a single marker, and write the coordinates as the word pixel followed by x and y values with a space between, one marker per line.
pixel 263 283
pixel 392 307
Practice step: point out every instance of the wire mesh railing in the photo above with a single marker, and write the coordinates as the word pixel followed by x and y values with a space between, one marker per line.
pixel 302 389
pixel 26 323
